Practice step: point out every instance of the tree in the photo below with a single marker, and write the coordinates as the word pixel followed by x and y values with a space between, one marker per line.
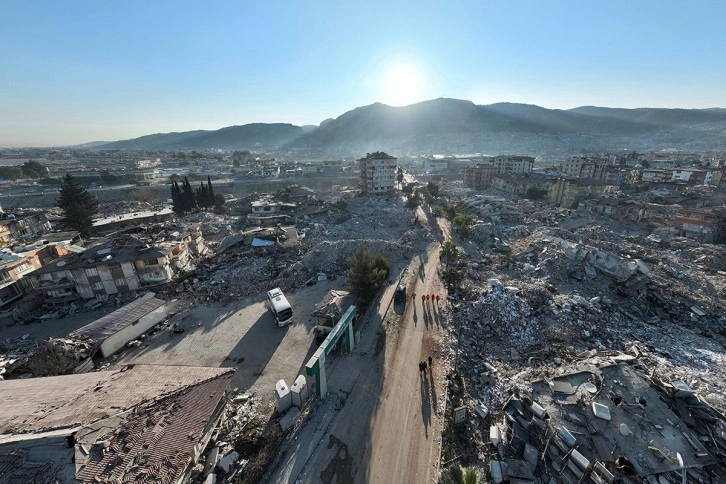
pixel 458 475
pixel 433 189
pixel 462 224
pixel 78 206
pixel 188 198
pixel 449 252
pixel 202 196
pixel 33 169
pixel 399 176
pixel 219 203
pixel 449 210
pixel 413 200
pixel 176 198
pixel 368 273
pixel 210 191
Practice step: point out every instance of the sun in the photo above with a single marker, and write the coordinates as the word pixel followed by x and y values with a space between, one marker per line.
pixel 402 85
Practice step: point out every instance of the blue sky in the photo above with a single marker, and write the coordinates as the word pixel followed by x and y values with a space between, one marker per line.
pixel 78 71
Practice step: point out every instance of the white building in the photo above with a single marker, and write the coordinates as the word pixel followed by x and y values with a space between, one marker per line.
pixel 377 172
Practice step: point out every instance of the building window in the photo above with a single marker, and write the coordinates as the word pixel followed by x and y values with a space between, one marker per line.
pixel 151 262
pixel 98 286
pixel 92 271
pixel 120 282
pixel 22 267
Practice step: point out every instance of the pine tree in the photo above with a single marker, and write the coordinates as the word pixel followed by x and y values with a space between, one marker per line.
pixel 210 191
pixel 368 274
pixel 79 207
pixel 176 198
pixel 188 198
pixel 202 196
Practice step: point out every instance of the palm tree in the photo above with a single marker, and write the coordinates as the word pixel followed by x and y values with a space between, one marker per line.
pixel 449 252
pixel 458 475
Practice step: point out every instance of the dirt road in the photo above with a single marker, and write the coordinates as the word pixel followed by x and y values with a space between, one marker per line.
pixel 406 430
pixel 381 421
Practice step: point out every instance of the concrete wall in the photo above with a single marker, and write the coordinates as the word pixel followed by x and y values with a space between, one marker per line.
pixel 118 340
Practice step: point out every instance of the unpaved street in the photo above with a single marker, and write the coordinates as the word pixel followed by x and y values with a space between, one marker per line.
pixel 381 421
pixel 406 430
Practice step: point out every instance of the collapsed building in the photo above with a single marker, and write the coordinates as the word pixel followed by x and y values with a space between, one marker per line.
pixel 141 422
pixel 121 264
pixel 587 307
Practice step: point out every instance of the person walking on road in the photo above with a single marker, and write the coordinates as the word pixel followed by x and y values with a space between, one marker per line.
pixel 431 362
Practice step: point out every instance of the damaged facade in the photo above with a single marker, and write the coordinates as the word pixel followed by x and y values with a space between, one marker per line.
pixel 121 264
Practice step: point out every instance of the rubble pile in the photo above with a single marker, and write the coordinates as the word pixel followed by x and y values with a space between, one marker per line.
pixel 244 443
pixel 334 256
pixel 55 356
pixel 542 289
pixel 12 350
pixel 111 209
pixel 327 240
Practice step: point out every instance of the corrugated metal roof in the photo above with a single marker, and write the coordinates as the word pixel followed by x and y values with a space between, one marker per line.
pixel 114 322
pixel 41 404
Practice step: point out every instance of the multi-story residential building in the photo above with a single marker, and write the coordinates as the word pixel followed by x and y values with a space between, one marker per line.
pixel 266 211
pixel 691 176
pixel 479 176
pixel 435 165
pixel 671 159
pixel 19 228
pixel 13 267
pixel 482 174
pixel 513 164
pixel 617 175
pixel 705 225
pixel 567 192
pixel 123 264
pixel 377 173
pixel 585 167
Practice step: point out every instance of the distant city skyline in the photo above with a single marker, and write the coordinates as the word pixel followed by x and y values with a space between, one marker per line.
pixel 82 71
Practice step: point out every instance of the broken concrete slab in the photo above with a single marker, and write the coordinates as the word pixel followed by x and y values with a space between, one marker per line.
pixel 287 420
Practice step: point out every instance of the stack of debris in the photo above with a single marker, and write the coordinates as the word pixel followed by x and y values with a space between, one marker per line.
pixel 56 356
pixel 601 424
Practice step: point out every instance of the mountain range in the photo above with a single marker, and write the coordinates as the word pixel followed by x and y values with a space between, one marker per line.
pixel 457 126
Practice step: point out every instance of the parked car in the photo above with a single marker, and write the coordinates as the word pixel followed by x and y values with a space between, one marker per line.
pixel 400 295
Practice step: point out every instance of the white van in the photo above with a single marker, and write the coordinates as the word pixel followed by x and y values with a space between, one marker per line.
pixel 279 307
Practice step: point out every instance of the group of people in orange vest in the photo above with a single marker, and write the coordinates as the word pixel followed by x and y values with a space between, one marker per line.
pixel 427 297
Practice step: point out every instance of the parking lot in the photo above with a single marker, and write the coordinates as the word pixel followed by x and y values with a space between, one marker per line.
pixel 242 335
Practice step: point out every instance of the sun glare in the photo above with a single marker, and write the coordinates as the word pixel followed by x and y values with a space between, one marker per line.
pixel 402 85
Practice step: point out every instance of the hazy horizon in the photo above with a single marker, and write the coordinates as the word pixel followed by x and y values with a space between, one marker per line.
pixel 78 72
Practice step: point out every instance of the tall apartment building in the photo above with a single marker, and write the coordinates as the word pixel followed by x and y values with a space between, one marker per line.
pixel 513 164
pixel 479 176
pixel 377 172
pixel 585 167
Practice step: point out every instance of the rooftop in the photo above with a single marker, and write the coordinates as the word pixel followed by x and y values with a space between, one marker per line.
pixel 112 323
pixel 135 424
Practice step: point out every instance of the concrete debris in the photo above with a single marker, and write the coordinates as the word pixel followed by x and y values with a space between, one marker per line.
pixel 56 356
pixel 590 291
